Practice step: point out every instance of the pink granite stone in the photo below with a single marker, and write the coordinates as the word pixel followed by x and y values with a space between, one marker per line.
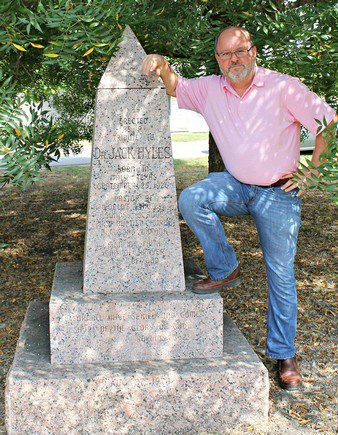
pixel 130 327
pixel 133 240
pixel 192 396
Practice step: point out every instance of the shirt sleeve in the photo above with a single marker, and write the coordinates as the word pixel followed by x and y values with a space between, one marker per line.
pixel 191 94
pixel 305 106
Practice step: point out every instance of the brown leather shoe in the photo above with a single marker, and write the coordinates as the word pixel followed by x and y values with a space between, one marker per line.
pixel 208 286
pixel 289 376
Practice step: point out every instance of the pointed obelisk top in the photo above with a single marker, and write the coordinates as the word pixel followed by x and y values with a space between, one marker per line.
pixel 124 69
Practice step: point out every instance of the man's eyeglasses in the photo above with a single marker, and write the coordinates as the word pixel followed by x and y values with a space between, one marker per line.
pixel 226 55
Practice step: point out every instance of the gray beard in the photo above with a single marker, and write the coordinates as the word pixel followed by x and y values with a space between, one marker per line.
pixel 247 70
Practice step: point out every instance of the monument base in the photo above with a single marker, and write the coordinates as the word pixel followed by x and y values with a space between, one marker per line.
pixel 153 397
pixel 96 328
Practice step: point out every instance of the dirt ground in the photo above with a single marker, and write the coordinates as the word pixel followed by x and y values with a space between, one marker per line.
pixel 46 224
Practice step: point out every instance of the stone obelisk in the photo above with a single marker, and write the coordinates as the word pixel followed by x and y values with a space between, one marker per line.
pixel 132 239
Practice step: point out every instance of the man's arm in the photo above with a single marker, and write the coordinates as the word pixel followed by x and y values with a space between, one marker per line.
pixel 321 143
pixel 157 63
pixel 320 147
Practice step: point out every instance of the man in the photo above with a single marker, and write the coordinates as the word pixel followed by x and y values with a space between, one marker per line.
pixel 254 115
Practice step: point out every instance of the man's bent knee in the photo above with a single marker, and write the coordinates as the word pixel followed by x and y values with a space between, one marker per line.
pixel 185 201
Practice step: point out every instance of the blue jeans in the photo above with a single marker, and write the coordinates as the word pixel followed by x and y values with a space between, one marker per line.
pixel 277 217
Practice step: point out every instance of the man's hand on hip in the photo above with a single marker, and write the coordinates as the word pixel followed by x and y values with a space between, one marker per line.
pixel 302 182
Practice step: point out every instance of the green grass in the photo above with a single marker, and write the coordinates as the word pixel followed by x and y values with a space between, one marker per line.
pixel 198 163
pixel 76 173
pixel 189 137
pixel 73 170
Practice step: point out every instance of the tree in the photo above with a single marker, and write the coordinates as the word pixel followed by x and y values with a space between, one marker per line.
pixel 57 51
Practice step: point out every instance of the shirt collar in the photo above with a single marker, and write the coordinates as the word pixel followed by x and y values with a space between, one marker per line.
pixel 259 77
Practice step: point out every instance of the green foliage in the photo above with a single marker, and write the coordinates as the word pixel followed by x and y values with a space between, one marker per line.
pixel 57 50
pixel 323 177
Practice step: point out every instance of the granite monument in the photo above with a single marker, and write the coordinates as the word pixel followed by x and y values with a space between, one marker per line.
pixel 129 348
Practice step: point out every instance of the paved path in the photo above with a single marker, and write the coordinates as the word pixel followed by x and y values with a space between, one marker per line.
pixel 181 150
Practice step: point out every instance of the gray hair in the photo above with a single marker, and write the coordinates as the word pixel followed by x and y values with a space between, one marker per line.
pixel 247 35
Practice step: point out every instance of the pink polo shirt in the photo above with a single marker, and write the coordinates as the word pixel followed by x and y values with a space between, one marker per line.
pixel 257 134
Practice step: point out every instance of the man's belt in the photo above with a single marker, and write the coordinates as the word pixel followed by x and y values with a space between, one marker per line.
pixel 277 183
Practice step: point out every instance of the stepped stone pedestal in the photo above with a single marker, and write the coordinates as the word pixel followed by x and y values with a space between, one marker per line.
pixel 186 396
pixel 125 347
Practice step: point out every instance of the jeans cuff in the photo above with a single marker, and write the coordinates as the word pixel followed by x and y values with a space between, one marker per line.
pixel 225 276
pixel 284 356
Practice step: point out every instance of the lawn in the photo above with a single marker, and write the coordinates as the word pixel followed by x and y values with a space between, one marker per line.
pixel 189 137
pixel 46 225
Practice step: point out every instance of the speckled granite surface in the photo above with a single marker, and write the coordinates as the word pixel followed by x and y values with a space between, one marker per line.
pixel 155 397
pixel 130 327
pixel 124 70
pixel 133 240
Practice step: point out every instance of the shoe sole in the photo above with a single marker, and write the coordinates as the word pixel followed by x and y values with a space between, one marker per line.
pixel 290 388
pixel 233 283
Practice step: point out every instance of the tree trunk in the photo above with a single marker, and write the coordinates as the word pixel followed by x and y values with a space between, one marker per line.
pixel 215 160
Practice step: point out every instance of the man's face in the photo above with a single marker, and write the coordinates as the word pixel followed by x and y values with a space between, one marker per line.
pixel 237 69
